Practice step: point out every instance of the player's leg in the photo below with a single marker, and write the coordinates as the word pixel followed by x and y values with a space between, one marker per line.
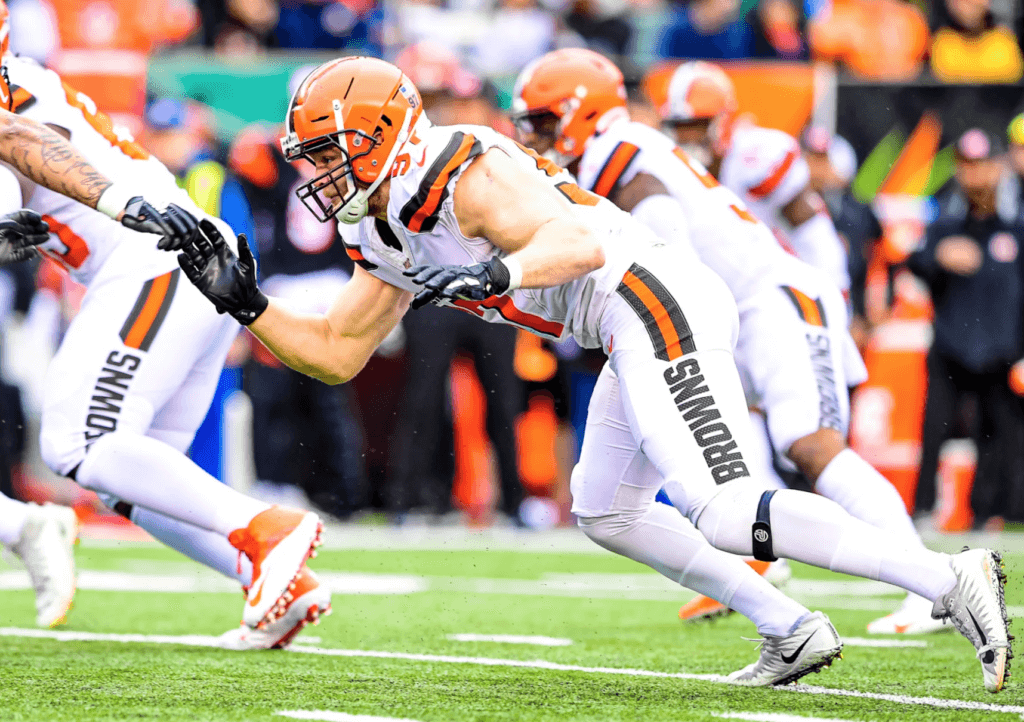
pixel 686 408
pixel 43 537
pixel 130 349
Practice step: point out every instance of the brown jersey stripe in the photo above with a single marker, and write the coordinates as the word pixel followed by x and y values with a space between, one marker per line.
pixel 666 325
pixel 419 214
pixel 809 309
pixel 617 163
pixel 151 307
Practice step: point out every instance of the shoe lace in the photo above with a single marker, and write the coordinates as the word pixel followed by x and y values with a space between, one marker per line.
pixel 761 641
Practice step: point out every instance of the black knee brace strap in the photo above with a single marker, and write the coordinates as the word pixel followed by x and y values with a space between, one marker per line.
pixel 761 531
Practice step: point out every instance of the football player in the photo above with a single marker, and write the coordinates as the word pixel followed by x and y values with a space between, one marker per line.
pixel 795 355
pixel 763 166
pixel 465 217
pixel 137 368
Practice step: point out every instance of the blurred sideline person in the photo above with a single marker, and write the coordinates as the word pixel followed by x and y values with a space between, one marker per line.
pixel 795 356
pixel 306 434
pixel 421 469
pixel 971 261
pixel 560 261
pixel 42 537
pixel 136 370
pixel 762 166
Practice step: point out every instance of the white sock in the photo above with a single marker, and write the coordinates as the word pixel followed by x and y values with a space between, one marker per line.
pixel 814 530
pixel 13 514
pixel 206 547
pixel 143 471
pixel 857 486
pixel 668 543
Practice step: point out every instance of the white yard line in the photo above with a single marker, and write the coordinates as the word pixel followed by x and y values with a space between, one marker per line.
pixel 512 639
pixel 207 641
pixel 773 717
pixel 327 716
pixel 876 642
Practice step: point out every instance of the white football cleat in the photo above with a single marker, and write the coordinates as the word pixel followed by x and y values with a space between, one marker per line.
pixel 309 600
pixel 913 617
pixel 277 541
pixel 46 547
pixel 812 646
pixel 977 608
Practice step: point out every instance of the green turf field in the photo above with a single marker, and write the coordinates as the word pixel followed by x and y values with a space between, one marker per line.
pixel 615 649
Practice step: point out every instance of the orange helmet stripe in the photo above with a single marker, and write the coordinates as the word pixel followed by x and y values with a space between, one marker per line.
pixel 770 183
pixel 420 213
pixel 614 167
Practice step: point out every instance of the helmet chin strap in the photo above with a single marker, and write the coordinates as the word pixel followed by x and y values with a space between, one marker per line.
pixel 357 207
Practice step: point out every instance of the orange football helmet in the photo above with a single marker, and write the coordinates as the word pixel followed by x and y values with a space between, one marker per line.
pixel 570 94
pixel 365 107
pixel 701 91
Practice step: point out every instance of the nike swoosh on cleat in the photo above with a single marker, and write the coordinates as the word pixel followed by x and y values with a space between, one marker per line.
pixel 254 600
pixel 792 658
pixel 981 633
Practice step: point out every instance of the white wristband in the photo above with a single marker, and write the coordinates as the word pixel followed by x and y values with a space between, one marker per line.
pixel 113 200
pixel 515 273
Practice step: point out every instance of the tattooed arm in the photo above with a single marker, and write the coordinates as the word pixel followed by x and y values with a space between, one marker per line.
pixel 48 158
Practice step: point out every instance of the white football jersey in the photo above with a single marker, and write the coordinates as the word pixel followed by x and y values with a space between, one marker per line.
pixel 765 168
pixel 422 229
pixel 85 241
pixel 726 237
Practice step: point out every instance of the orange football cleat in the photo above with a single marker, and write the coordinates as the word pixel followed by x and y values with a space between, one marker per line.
pixel 701 607
pixel 277 541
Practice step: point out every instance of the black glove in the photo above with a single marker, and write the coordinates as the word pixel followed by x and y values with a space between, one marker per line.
pixel 472 283
pixel 20 233
pixel 229 281
pixel 177 226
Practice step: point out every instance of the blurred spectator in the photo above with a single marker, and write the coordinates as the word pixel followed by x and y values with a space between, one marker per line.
pixel 306 434
pixel 603 24
pixel 873 39
pixel 971 261
pixel 353 25
pixel 421 472
pixel 33 29
pixel 517 32
pixel 707 29
pixel 833 164
pixel 1015 134
pixel 778 30
pixel 970 47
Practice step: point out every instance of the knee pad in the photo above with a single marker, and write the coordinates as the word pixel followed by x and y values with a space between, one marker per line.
pixel 602 528
pixel 62 450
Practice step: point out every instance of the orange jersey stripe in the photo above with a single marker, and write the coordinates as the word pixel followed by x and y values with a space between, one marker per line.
pixel 508 310
pixel 770 183
pixel 434 198
pixel 149 311
pixel 660 313
pixel 614 167
pixel 78 249
pixel 806 306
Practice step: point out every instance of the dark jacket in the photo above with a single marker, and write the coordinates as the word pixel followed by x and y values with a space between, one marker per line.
pixel 978 319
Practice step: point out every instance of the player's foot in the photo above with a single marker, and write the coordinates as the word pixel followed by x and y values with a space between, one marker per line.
pixel 277 541
pixel 812 646
pixel 977 608
pixel 913 617
pixel 700 607
pixel 310 600
pixel 46 547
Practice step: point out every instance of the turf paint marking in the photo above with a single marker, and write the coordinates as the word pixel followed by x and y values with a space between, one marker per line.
pixel 512 639
pixel 197 640
pixel 869 642
pixel 328 716
pixel 773 717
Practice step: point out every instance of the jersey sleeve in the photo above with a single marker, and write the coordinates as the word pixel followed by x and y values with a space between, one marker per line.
pixel 607 165
pixel 773 171
pixel 10 191
pixel 422 191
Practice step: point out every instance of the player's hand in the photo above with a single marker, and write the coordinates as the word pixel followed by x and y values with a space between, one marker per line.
pixel 448 283
pixel 960 255
pixel 177 226
pixel 227 280
pixel 20 233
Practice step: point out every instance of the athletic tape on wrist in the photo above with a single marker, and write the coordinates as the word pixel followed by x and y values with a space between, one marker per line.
pixel 515 272
pixel 113 200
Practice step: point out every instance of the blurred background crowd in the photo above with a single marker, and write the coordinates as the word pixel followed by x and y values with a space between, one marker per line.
pixel 907 114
